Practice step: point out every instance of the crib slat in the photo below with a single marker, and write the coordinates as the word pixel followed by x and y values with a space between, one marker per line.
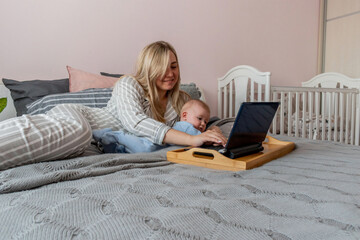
pixel 317 114
pixel 347 118
pixel 311 110
pixel 342 118
pixel 353 111
pixel 282 97
pixel 304 97
pixel 274 123
pixel 220 95
pixel 259 95
pixel 323 113
pixel 297 111
pixel 226 104
pixel 231 100
pixel 289 114
pixel 252 90
pixel 336 113
pixel 329 115
pixel 357 119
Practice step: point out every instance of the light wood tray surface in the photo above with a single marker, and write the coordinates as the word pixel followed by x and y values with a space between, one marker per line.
pixel 273 149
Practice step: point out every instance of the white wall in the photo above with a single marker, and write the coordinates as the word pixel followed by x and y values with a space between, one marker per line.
pixel 40 37
pixel 342 39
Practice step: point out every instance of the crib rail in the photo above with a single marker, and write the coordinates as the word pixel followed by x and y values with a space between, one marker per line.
pixel 318 113
pixel 241 84
pixel 229 100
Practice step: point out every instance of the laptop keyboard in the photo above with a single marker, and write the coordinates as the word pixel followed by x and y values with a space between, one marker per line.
pixel 212 147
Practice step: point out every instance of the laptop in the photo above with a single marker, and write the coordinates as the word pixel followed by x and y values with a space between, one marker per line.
pixel 250 128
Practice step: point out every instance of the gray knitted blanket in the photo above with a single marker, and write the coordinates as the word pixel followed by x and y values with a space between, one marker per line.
pixel 311 193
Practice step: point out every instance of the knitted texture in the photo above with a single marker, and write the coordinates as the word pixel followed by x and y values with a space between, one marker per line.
pixel 311 193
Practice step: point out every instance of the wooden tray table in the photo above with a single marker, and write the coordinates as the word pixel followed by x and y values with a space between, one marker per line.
pixel 273 149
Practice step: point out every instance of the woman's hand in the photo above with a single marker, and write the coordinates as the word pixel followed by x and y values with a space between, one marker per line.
pixel 215 128
pixel 211 136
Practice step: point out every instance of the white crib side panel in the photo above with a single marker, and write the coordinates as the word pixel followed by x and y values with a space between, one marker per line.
pixel 318 113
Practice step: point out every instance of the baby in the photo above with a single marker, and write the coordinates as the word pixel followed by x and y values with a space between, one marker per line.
pixel 195 114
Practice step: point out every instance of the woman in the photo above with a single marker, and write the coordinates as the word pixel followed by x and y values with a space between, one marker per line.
pixel 145 105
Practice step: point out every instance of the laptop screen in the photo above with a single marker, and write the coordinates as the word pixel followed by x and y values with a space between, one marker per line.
pixel 252 123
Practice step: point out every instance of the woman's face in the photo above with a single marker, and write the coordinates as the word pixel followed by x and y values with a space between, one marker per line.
pixel 171 76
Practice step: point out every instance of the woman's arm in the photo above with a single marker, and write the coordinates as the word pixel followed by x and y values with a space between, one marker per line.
pixel 208 137
pixel 129 106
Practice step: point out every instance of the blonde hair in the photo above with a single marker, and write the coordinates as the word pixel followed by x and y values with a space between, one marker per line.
pixel 152 63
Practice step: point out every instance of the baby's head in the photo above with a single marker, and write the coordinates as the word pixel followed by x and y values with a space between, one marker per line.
pixel 197 113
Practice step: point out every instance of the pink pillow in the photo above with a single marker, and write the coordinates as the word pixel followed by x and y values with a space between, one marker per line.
pixel 80 80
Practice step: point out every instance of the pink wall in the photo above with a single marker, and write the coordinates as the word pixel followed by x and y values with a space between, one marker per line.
pixel 40 37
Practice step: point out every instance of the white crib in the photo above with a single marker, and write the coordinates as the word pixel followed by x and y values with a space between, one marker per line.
pixel 317 113
pixel 327 107
pixel 241 84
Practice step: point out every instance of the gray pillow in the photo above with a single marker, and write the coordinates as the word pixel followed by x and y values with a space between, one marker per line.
pixel 93 97
pixel 190 88
pixel 26 92
pixel 115 75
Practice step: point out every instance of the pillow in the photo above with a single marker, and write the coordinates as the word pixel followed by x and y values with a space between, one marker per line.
pixel 26 92
pixel 191 89
pixel 115 75
pixel 80 80
pixel 97 97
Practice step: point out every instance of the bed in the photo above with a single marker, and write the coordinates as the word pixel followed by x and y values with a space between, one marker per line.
pixel 311 193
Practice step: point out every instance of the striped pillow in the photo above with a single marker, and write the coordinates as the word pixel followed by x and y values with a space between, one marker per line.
pixel 94 97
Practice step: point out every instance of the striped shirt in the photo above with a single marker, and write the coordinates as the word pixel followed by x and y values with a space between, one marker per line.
pixel 129 105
